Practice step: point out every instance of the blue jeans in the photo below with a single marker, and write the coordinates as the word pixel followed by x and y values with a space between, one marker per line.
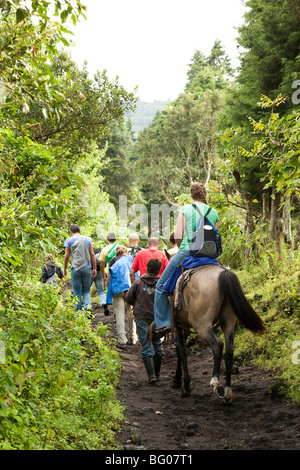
pixel 100 287
pixel 155 347
pixel 162 307
pixel 81 284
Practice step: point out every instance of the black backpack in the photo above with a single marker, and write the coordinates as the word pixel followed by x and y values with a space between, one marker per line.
pixel 206 240
pixel 97 252
pixel 134 250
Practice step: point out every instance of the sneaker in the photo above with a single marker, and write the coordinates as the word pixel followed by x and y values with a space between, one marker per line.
pixel 106 311
pixel 121 346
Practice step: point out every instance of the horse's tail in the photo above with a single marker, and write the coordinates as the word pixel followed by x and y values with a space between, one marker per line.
pixel 231 288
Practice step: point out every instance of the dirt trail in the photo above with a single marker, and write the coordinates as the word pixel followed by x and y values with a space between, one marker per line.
pixel 158 418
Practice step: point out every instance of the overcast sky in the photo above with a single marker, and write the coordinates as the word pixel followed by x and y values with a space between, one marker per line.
pixel 151 43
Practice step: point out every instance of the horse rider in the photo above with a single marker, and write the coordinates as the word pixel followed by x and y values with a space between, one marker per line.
pixel 187 221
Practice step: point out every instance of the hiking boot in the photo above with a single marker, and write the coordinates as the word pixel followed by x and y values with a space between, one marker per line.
pixel 149 366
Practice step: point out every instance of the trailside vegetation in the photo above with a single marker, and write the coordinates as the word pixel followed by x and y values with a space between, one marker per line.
pixel 57 376
pixel 57 385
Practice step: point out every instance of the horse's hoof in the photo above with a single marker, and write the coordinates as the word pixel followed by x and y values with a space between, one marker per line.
pixel 220 392
pixel 227 401
pixel 186 393
pixel 176 385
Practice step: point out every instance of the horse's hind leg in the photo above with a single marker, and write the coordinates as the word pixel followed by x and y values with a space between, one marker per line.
pixel 228 363
pixel 178 375
pixel 217 348
pixel 182 361
pixel 229 339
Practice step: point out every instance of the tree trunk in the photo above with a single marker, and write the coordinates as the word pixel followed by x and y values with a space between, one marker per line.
pixel 287 222
pixel 250 227
pixel 266 206
pixel 297 234
pixel 249 215
pixel 274 221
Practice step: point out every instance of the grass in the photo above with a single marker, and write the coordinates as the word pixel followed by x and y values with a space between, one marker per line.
pixel 275 296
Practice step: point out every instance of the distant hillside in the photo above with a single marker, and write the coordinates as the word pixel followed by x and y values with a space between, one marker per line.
pixel 144 114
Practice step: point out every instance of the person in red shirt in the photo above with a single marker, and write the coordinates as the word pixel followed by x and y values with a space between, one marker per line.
pixel 143 256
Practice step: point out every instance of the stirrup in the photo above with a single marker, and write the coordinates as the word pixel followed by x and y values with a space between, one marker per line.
pixel 150 332
pixel 157 334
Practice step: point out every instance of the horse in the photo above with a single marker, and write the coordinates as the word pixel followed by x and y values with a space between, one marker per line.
pixel 213 294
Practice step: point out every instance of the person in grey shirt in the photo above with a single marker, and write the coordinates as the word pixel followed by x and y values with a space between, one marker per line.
pixel 83 265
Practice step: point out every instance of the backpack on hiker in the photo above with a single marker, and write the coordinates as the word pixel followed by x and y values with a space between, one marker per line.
pixel 52 280
pixel 206 240
pixel 111 253
pixel 98 262
pixel 134 250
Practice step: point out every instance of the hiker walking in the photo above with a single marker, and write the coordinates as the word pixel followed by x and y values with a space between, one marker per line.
pixel 133 250
pixel 118 284
pixel 134 247
pixel 51 272
pixel 83 265
pixel 99 282
pixel 108 253
pixel 143 256
pixel 141 296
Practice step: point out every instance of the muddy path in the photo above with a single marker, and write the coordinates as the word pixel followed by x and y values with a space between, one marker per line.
pixel 158 418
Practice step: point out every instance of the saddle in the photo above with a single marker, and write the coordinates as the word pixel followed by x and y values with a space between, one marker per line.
pixel 180 284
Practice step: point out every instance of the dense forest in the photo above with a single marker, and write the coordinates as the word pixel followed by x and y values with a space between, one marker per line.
pixel 69 151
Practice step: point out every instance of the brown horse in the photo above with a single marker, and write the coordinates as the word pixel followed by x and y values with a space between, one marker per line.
pixel 212 294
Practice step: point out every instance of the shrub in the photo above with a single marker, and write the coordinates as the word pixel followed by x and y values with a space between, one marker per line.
pixel 58 380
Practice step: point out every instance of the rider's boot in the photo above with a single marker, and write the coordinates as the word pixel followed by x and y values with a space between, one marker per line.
pixel 149 366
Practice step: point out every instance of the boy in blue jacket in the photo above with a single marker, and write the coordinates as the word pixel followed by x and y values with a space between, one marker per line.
pixel 119 284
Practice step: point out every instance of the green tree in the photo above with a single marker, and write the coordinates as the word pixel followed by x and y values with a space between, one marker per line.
pixel 210 72
pixel 30 34
pixel 270 44
pixel 180 145
pixel 117 171
pixel 274 153
pixel 52 115
pixel 91 108
pixel 279 147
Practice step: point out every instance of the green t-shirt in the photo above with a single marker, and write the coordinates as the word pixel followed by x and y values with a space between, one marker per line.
pixel 192 218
